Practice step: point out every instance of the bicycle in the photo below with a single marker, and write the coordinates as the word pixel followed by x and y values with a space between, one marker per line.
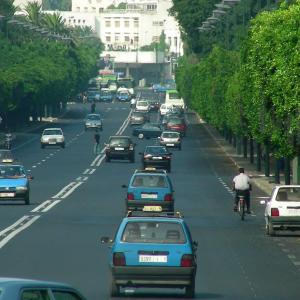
pixel 241 207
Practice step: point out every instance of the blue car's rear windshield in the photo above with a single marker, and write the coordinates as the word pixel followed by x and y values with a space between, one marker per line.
pixel 154 232
pixel 12 172
pixel 151 181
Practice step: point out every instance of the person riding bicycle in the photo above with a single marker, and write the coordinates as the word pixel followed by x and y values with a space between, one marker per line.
pixel 242 187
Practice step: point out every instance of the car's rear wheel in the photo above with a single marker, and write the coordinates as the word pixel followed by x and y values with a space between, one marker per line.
pixel 270 229
pixel 190 290
pixel 114 288
pixel 141 136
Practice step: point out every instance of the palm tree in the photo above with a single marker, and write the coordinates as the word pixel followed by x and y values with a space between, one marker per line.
pixel 34 12
pixel 55 23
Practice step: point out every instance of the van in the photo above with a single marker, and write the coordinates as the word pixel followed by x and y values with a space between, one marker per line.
pixel 173 98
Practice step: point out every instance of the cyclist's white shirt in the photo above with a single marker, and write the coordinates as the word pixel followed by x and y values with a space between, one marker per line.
pixel 241 182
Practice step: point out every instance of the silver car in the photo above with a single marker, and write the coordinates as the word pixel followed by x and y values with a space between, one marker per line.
pixel 170 139
pixel 137 118
pixel 93 121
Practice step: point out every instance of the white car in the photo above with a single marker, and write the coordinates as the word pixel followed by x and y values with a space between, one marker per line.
pixel 142 105
pixel 165 108
pixel 282 210
pixel 170 139
pixel 52 137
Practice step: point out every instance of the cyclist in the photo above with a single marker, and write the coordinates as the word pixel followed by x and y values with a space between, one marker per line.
pixel 242 187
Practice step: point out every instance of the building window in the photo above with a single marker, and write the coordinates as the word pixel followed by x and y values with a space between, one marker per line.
pixel 126 38
pixel 86 9
pixel 79 21
pixel 107 23
pixel 78 8
pixel 155 38
pixel 117 24
pixel 108 38
pixel 126 23
pixel 175 41
pixel 101 9
pixel 136 39
pixel 170 41
pixel 151 7
pixel 136 23
pixel 83 21
pixel 94 9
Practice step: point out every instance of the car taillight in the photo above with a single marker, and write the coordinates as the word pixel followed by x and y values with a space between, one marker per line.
pixel 168 197
pixel 187 260
pixel 119 259
pixel 130 196
pixel 130 147
pixel 274 212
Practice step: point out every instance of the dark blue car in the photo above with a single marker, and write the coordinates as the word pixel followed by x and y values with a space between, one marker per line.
pixel 152 250
pixel 106 95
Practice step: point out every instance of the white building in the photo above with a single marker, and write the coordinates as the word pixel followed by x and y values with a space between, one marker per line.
pixel 93 6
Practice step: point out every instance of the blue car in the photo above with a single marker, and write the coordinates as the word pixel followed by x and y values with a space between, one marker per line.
pixel 152 250
pixel 106 95
pixel 150 190
pixel 123 96
pixel 29 289
pixel 14 183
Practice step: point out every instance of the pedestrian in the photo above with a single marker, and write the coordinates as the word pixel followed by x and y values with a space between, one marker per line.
pixel 97 142
pixel 84 99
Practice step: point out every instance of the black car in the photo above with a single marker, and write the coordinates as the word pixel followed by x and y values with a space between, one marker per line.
pixel 119 147
pixel 148 130
pixel 158 157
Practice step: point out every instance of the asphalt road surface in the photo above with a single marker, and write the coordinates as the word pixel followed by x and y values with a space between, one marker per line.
pixel 76 197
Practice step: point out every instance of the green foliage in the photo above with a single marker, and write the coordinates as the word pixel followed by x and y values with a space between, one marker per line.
pixel 63 5
pixel 157 46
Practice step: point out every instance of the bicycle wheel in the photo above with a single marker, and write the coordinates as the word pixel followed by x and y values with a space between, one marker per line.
pixel 241 207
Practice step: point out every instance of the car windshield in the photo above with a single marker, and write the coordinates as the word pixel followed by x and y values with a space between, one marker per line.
pixel 12 172
pixel 142 103
pixel 152 181
pixel 52 132
pixel 288 194
pixel 170 135
pixel 93 117
pixel 136 114
pixel 118 142
pixel 105 93
pixel 5 154
pixel 175 121
pixel 156 150
pixel 153 232
pixel 151 126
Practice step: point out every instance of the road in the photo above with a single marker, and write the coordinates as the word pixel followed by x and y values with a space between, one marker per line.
pixel 76 197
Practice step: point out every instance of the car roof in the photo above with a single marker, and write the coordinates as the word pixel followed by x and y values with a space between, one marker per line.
pixel 120 136
pixel 152 172
pixel 169 131
pixel 6 281
pixel 147 147
pixel 53 128
pixel 11 164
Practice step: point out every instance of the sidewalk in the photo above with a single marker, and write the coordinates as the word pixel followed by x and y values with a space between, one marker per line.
pixel 258 178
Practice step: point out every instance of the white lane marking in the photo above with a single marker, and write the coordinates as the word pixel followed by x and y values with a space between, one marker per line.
pixel 38 163
pixel 33 166
pixel 296 263
pixel 92 171
pixel 85 178
pixel 51 205
pixel 79 178
pixel 86 171
pixel 100 161
pixel 27 142
pixel 21 226
pixel 51 154
pixel 69 192
pixel 40 206
pixel 63 190
pixel 291 256
pixel 28 170
pixel 95 160
pixel 43 160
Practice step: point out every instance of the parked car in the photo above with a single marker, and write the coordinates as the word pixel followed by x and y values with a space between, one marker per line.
pixel 29 289
pixel 93 121
pixel 14 183
pixel 176 124
pixel 137 118
pixel 120 147
pixel 6 156
pixel 156 156
pixel 282 210
pixel 152 250
pixel 170 139
pixel 148 130
pixel 150 187
pixel 52 137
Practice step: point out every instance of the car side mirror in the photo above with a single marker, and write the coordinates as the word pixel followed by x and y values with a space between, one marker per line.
pixel 124 186
pixel 105 240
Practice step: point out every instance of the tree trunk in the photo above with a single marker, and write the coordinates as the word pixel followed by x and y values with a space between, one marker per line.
pixel 287 171
pixel 245 147
pixel 251 151
pixel 267 159
pixel 258 157
pixel 239 146
pixel 234 141
pixel 277 171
